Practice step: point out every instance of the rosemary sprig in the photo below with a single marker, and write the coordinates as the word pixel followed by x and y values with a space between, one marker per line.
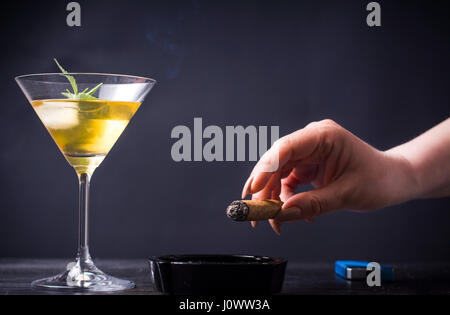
pixel 85 95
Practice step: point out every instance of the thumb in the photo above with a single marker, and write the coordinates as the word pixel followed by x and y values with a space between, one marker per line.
pixel 311 203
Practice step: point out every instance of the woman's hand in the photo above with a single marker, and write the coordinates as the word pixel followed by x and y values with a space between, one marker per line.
pixel 347 173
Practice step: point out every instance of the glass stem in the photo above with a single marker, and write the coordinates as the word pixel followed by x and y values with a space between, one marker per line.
pixel 83 256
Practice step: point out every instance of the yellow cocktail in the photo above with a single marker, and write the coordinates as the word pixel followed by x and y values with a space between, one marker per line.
pixel 85 131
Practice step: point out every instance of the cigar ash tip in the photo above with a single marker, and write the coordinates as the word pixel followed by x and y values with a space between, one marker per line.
pixel 238 211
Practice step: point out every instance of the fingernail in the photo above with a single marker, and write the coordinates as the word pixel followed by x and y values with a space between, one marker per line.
pixel 277 229
pixel 254 224
pixel 289 214
pixel 257 178
pixel 251 186
pixel 245 190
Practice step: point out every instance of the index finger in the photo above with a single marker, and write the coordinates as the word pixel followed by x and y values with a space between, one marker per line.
pixel 295 146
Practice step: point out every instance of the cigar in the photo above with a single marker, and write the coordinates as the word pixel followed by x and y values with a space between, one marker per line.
pixel 253 210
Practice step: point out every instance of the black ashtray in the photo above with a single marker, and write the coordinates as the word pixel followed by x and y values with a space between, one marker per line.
pixel 217 274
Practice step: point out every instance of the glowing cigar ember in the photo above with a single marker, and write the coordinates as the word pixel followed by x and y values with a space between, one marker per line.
pixel 253 210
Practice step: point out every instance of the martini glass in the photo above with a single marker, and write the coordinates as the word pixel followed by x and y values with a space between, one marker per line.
pixel 84 130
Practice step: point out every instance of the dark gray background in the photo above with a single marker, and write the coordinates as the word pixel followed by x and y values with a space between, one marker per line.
pixel 280 63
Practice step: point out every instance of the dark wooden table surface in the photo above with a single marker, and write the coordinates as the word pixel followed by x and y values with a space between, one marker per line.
pixel 301 278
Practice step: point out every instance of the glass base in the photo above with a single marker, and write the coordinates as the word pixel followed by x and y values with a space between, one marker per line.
pixel 85 278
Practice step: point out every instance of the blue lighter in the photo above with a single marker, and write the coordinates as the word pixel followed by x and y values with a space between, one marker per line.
pixel 357 270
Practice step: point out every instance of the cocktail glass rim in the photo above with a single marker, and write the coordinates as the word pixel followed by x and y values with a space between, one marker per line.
pixel 24 76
